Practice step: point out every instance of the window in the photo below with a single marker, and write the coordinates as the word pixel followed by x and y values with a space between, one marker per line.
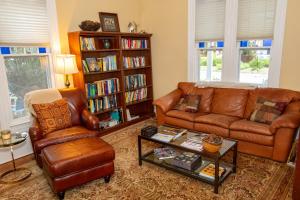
pixel 251 31
pixel 254 61
pixel 210 60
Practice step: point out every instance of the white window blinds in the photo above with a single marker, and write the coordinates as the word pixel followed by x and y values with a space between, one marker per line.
pixel 24 21
pixel 210 19
pixel 256 19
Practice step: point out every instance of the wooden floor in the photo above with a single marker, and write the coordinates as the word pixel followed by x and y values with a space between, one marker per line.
pixel 19 161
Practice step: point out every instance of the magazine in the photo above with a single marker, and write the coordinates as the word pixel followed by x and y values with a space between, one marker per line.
pixel 164 153
pixel 162 137
pixel 175 132
pixel 209 171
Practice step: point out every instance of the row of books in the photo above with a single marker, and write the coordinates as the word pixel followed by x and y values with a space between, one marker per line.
pixel 135 81
pixel 134 62
pixel 134 44
pixel 136 95
pixel 103 64
pixel 87 44
pixel 107 102
pixel 115 117
pixel 103 87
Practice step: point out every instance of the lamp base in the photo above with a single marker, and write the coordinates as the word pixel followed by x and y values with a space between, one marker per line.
pixel 67 82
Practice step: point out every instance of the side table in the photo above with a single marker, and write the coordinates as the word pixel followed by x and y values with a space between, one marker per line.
pixel 14 175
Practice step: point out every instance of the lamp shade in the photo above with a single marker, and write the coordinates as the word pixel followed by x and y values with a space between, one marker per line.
pixel 65 64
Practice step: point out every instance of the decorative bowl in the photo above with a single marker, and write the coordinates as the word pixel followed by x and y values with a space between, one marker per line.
pixel 89 25
pixel 212 143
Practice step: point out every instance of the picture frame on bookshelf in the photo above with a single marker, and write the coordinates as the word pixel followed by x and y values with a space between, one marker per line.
pixel 109 22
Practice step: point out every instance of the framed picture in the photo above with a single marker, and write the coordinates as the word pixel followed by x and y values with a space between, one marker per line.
pixel 109 22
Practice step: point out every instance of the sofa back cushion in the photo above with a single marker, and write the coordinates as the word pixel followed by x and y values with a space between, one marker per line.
pixel 271 94
pixel 229 101
pixel 206 94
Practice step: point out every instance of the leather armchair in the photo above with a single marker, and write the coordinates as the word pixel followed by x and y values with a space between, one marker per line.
pixel 84 125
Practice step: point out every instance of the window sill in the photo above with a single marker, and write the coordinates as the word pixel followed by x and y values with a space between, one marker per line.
pixel 223 84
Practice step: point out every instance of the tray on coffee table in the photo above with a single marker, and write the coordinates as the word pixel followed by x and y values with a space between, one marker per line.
pixel 207 157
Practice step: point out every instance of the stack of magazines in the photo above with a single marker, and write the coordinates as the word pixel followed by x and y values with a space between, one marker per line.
pixel 164 153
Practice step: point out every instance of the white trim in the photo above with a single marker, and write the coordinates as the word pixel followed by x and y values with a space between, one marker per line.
pixel 277 46
pixel 193 70
pixel 230 73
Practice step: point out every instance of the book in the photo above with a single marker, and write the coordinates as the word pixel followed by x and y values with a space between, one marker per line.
pixel 162 137
pixel 186 160
pixel 103 87
pixel 164 153
pixel 87 44
pixel 134 62
pixel 175 132
pixel 92 64
pixel 192 144
pixel 134 43
pixel 209 171
pixel 136 95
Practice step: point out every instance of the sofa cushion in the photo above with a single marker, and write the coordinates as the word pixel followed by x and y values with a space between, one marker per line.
pixel 229 101
pixel 250 126
pixel 53 116
pixel 267 111
pixel 184 115
pixel 179 122
pixel 216 119
pixel 212 129
pixel 272 94
pixel 205 93
pixel 252 137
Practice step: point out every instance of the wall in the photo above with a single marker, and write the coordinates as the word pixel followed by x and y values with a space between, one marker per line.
pixel 71 13
pixel 290 69
pixel 167 20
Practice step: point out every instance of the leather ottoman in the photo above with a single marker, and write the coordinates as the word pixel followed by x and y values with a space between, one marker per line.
pixel 77 162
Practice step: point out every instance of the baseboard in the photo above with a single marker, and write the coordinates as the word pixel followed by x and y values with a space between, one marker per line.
pixel 20 161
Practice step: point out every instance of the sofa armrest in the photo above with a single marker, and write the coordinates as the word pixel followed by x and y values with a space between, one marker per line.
pixel 287 120
pixel 165 103
pixel 35 132
pixel 90 120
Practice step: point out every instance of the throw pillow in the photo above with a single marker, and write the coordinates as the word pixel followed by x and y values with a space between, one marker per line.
pixel 188 103
pixel 53 116
pixel 267 111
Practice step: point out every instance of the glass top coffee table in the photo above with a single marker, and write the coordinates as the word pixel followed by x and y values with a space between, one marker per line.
pixel 16 174
pixel 206 158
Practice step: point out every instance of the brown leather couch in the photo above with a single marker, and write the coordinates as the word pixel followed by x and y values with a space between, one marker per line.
pixel 84 125
pixel 226 112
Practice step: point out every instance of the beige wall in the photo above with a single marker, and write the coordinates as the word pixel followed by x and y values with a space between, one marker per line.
pixel 71 12
pixel 290 69
pixel 167 20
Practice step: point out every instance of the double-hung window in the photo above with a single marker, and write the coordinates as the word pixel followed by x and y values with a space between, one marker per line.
pixel 24 56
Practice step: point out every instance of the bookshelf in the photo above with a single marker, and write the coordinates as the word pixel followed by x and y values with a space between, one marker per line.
pixel 115 77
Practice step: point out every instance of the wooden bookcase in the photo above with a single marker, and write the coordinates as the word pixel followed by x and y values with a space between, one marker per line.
pixel 143 108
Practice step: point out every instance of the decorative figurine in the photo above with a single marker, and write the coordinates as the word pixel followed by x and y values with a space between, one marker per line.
pixel 132 27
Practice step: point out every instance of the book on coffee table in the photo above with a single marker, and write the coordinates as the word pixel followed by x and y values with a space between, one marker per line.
pixel 209 171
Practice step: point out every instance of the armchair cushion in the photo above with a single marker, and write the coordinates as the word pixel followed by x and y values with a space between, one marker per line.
pixel 53 116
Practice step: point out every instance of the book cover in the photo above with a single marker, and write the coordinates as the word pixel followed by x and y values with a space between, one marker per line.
pixel 209 171
pixel 92 64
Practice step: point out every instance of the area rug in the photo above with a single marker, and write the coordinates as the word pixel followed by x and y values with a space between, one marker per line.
pixel 256 178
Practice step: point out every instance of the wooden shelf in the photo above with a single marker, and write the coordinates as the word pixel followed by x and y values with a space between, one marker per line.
pixel 95 73
pixel 141 49
pixel 100 96
pixel 99 50
pixel 137 68
pixel 139 101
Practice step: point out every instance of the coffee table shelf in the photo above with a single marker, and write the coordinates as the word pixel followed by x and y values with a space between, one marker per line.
pixel 206 156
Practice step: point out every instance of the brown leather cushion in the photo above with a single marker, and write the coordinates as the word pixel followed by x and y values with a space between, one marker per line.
pixel 273 94
pixel 188 103
pixel 249 126
pixel 78 155
pixel 212 129
pixel 53 116
pixel 179 122
pixel 64 135
pixel 205 93
pixel 217 119
pixel 252 137
pixel 184 115
pixel 229 101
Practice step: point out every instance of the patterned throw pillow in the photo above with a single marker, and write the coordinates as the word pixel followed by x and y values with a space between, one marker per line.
pixel 267 111
pixel 53 116
pixel 188 103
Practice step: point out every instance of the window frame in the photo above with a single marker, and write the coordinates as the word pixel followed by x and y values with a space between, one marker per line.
pixel 230 68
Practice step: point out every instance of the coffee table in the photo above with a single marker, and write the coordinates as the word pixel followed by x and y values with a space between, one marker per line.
pixel 14 175
pixel 215 158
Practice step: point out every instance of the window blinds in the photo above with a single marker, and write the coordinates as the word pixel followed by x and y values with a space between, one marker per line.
pixel 24 21
pixel 210 19
pixel 256 19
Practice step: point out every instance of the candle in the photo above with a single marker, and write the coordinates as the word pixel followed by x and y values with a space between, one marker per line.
pixel 6 134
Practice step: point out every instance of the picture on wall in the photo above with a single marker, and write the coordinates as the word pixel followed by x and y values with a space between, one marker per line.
pixel 109 22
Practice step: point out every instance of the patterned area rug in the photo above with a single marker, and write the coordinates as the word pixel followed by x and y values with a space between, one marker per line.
pixel 256 178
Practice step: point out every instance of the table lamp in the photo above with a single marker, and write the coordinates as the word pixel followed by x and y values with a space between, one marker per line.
pixel 66 64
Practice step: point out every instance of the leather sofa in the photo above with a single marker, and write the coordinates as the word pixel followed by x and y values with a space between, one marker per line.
pixel 226 112
pixel 84 125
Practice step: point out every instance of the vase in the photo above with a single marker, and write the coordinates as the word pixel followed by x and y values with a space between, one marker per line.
pixel 106 44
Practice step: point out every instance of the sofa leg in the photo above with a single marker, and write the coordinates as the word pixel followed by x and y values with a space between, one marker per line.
pixel 107 179
pixel 61 195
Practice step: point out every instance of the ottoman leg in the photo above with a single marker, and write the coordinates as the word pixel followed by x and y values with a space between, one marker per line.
pixel 61 195
pixel 107 179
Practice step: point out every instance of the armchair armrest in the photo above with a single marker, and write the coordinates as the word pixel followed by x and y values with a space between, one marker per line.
pixel 35 132
pixel 287 120
pixel 165 103
pixel 90 120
